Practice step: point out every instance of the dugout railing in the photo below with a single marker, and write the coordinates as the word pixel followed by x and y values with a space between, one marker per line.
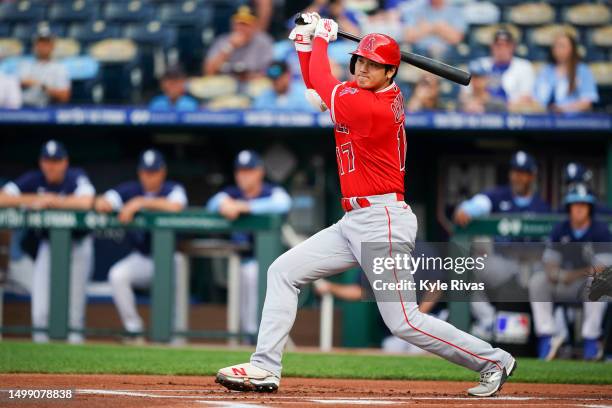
pixel 266 230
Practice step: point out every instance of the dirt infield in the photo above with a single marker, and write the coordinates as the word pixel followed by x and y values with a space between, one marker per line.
pixel 106 391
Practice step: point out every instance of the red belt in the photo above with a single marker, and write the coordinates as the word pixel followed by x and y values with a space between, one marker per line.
pixel 361 202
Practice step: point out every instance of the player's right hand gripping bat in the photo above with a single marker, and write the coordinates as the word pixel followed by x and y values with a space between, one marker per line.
pixel 430 65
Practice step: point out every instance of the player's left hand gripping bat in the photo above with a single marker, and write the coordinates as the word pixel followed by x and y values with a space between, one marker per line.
pixel 430 65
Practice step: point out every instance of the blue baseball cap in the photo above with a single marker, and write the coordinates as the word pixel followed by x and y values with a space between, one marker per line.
pixel 247 159
pixel 576 173
pixel 53 150
pixel 151 160
pixel 523 162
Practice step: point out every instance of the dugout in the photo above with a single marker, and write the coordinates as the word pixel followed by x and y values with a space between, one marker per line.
pixel 449 157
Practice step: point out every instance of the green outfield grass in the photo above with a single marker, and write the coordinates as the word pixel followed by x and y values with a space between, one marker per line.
pixel 25 357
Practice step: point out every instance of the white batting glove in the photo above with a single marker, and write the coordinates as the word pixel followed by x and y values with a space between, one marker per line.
pixel 327 29
pixel 315 100
pixel 302 34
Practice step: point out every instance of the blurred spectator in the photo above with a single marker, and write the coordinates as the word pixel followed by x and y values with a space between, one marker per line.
pixel 347 19
pixel 174 97
pixel 476 97
pixel 510 79
pixel 577 247
pixel 284 94
pixel 433 27
pixel 152 192
pixel 426 94
pixel 250 195
pixel 10 92
pixel 566 84
pixel 55 185
pixel 43 80
pixel 245 51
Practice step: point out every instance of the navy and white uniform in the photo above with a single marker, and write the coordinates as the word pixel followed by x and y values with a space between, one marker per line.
pixel 77 183
pixel 570 249
pixel 137 268
pixel 272 199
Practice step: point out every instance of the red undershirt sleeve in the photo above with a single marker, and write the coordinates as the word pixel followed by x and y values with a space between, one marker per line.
pixel 304 57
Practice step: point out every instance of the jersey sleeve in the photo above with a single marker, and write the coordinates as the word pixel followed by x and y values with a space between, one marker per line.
pixel 84 187
pixel 26 183
pixel 279 202
pixel 319 71
pixel 118 196
pixel 178 195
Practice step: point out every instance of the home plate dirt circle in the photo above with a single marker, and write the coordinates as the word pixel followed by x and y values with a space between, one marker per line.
pixel 107 391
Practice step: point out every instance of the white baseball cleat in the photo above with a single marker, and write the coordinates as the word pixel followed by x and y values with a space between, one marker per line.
pixel 247 377
pixel 492 381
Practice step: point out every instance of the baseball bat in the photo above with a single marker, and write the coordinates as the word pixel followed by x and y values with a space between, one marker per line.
pixel 428 64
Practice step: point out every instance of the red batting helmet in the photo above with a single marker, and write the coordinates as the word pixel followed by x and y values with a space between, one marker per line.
pixel 379 48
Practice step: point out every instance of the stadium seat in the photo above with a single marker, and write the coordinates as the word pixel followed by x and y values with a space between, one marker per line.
pixel 73 11
pixel 193 22
pixel 256 87
pixel 504 3
pixel 154 43
pixel 540 39
pixel 10 47
pixel 189 12
pixel 587 15
pixel 212 86
pixel 5 30
pixel 239 102
pixel 88 33
pixel 25 31
pixel 152 33
pixel 602 71
pixel 66 47
pixel 483 36
pixel 481 13
pixel 599 42
pixel 84 73
pixel 224 9
pixel 121 74
pixel 128 11
pixel 21 11
pixel 531 14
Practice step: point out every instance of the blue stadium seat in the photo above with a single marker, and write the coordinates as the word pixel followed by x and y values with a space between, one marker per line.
pixel 5 30
pixel 129 11
pixel 25 31
pixel 153 40
pixel 224 10
pixel 73 11
pixel 21 11
pixel 86 79
pixel 189 12
pixel 193 22
pixel 121 71
pixel 152 33
pixel 87 33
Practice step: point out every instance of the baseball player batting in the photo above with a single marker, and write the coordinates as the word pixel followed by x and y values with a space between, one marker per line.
pixel 368 119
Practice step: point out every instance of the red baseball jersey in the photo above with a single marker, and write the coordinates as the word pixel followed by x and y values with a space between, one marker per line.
pixel 370 139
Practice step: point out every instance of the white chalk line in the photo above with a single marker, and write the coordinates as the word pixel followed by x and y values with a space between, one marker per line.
pixel 234 395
